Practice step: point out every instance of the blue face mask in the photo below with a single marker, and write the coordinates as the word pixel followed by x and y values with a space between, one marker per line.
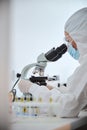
pixel 73 52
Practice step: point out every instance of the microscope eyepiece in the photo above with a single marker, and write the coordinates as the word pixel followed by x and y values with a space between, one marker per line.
pixel 55 54
pixel 62 49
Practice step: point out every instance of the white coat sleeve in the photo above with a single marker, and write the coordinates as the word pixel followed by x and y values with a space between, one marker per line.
pixel 40 92
pixel 65 102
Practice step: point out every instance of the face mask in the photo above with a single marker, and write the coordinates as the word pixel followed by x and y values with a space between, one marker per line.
pixel 73 52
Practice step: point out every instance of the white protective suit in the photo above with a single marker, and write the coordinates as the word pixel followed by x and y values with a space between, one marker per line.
pixel 74 100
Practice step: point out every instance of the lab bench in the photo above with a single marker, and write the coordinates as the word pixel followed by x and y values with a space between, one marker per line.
pixel 50 123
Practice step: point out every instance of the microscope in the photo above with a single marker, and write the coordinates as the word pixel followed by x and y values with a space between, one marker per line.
pixel 51 56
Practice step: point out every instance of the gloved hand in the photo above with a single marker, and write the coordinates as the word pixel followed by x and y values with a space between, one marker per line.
pixel 52 84
pixel 24 85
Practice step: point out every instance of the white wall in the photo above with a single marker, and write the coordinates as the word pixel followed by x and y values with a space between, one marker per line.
pixel 37 26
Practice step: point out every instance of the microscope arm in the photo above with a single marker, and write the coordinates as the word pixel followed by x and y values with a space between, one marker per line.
pixel 26 69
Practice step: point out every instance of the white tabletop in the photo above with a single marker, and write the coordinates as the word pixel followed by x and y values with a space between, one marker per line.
pixel 48 123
